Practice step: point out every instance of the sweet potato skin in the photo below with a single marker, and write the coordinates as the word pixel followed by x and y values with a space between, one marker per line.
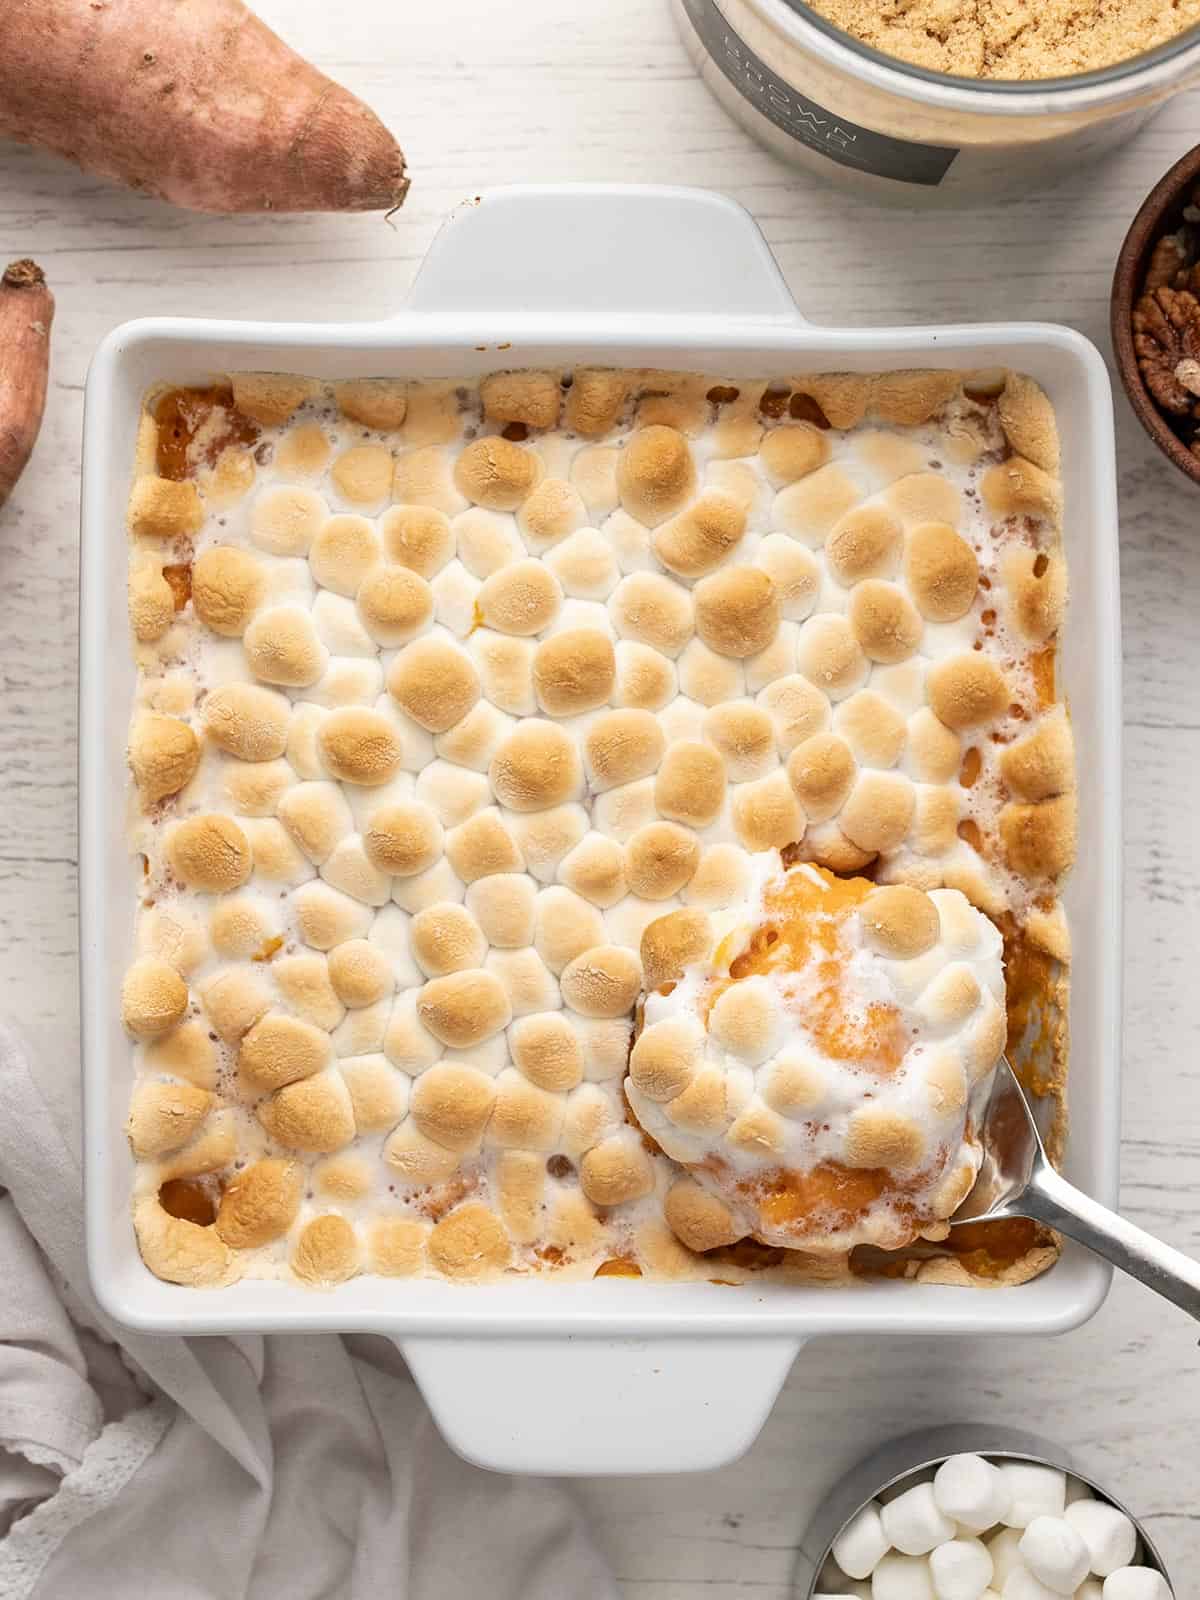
pixel 194 101
pixel 26 312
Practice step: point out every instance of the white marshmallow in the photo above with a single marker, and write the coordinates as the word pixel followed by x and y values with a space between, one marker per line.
pixel 1005 1550
pixel 1136 1583
pixel 971 1491
pixel 1035 1492
pixel 1022 1585
pixel 961 1570
pixel 1055 1553
pixel 913 1523
pixel 861 1544
pixel 1109 1535
pixel 900 1577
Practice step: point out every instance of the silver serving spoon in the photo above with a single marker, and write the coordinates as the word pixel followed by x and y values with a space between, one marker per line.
pixel 1017 1180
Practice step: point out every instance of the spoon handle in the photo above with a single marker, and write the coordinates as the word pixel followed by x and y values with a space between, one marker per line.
pixel 1051 1199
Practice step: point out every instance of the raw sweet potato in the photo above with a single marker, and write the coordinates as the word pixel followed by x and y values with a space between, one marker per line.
pixel 195 101
pixel 26 312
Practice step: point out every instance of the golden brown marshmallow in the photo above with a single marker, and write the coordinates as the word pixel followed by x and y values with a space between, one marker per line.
pixel 1016 488
pixel 767 815
pixel 446 938
pixel 394 604
pixel 434 682
pixel 792 451
pixel 417 537
pixel 208 852
pixel 942 571
pixel 574 671
pixel 660 858
pixel 900 922
pixel 535 767
pixel 464 1008
pixel 595 869
pixel 227 588
pixel 151 603
pixel 522 599
pixel 698 1219
pixel 671 943
pixel 314 1114
pixel 282 647
pixel 270 398
pixel 1037 588
pixel 651 609
pixel 396 1246
pixel 879 811
pixel 524 1116
pixel 529 397
pixel 179 1251
pixel 737 611
pixel 622 746
pixel 602 982
pixel 233 1002
pixel 496 474
pixel 690 785
pixel 451 1104
pixel 380 403
pixel 160 508
pixel 865 543
pixel 260 1203
pixel 247 721
pixel 655 473
pixel 1039 839
pixel 595 400
pixel 280 1049
pixel 343 552
pixel 884 622
pixel 829 654
pixel 482 845
pixel 616 1171
pixel 822 772
pixel 359 972
pixel 1042 764
pixel 552 511
pixel 966 690
pixel 545 1049
pixel 163 756
pixel 359 746
pixel 403 839
pixel 327 1251
pixel 745 736
pixel 701 536
pixel 872 727
pixel 469 1243
pixel 164 1116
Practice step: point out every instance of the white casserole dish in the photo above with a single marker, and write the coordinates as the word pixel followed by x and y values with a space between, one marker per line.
pixel 613 1375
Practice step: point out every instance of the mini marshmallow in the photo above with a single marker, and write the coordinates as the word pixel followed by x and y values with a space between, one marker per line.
pixel 1022 1585
pixel 1005 1550
pixel 1055 1553
pixel 972 1492
pixel 861 1544
pixel 913 1523
pixel 1136 1583
pixel 900 1577
pixel 1109 1535
pixel 1035 1492
pixel 961 1569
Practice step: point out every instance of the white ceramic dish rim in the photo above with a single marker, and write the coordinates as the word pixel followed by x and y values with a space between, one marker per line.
pixel 650 267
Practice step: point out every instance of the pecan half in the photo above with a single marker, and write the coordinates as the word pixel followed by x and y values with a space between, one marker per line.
pixel 1166 331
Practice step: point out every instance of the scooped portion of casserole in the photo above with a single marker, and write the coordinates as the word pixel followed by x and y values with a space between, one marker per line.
pixel 484 728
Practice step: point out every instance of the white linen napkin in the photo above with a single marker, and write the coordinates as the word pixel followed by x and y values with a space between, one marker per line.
pixel 216 1469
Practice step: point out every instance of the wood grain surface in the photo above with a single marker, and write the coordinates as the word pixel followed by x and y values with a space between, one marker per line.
pixel 483 93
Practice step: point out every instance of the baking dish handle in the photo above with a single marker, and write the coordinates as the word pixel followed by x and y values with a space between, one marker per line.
pixel 585 1406
pixel 588 249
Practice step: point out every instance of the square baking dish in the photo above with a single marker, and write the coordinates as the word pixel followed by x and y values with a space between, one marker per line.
pixel 612 1375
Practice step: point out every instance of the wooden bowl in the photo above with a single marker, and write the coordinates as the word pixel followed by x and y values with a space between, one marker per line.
pixel 1161 213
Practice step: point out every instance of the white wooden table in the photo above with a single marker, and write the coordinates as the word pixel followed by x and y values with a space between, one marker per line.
pixel 483 93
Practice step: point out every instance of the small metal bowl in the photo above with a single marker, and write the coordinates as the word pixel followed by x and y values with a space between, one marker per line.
pixel 921 1453
pixel 1161 212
